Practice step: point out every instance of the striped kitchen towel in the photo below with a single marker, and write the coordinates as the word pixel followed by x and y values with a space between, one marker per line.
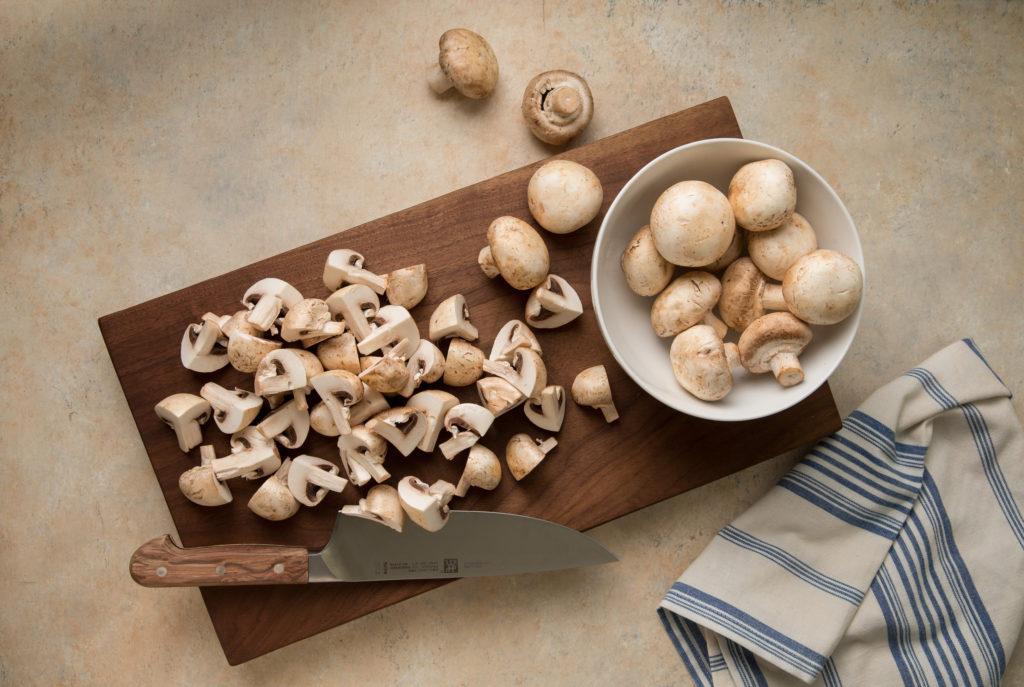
pixel 892 554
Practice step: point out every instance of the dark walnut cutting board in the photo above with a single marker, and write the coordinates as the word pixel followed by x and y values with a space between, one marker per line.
pixel 598 471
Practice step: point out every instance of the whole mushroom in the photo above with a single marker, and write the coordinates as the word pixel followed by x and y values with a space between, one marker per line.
pixel 701 363
pixel 762 194
pixel 746 294
pixel 774 251
pixel 823 287
pixel 647 272
pixel 516 251
pixel 692 223
pixel 466 62
pixel 557 106
pixel 772 343
pixel 687 300
pixel 564 195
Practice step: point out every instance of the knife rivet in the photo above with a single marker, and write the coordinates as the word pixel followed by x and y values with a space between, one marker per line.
pixel 220 570
pixel 279 568
pixel 161 571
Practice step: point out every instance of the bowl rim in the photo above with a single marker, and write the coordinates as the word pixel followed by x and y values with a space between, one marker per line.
pixel 759 149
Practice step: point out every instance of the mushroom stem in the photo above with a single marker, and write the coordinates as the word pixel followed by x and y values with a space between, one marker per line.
pixel 564 102
pixel 437 79
pixel 786 368
pixel 771 297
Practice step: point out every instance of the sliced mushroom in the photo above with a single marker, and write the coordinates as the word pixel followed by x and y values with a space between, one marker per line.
pixel 746 294
pixel 274 500
pixel 512 335
pixel 425 365
pixel 547 410
pixel 204 346
pixel 772 342
pixel 517 251
pixel 388 374
pixel 426 505
pixel 357 304
pixel 321 422
pixel 647 271
pixel 700 363
pixel 267 299
pixel 435 404
pixel 564 195
pixel 524 453
pixel 391 325
pixel 310 478
pixel 308 319
pixel 201 486
pixel 463 364
pixel 774 251
pixel 339 390
pixel 255 462
pixel 553 303
pixel 591 388
pixel 339 353
pixel 466 62
pixel 557 106
pixel 245 350
pixel 687 300
pixel 466 422
pixel 279 371
pixel 692 223
pixel 233 410
pixel 482 470
pixel 345 266
pixel 498 395
pixel 381 504
pixel 407 286
pixel 373 402
pixel 823 287
pixel 248 437
pixel 288 424
pixel 185 413
pixel 403 427
pixel 450 319
pixel 526 372
pixel 362 454
pixel 762 194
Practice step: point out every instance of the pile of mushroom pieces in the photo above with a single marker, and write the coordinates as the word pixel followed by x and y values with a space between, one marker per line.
pixel 353 365
pixel 749 255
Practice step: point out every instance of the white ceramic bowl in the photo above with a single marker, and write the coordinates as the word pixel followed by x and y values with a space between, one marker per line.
pixel 624 317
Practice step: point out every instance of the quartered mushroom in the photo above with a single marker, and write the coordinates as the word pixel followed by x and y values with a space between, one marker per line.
pixel 339 353
pixel 774 251
pixel 435 404
pixel 498 395
pixel 466 422
pixel 310 478
pixel 762 194
pixel 701 364
pixel 557 106
pixel 512 335
pixel 233 409
pixel 692 223
pixel 403 427
pixel 547 410
pixel 339 391
pixel 526 371
pixel 686 301
pixel 425 365
pixel 185 413
pixel 357 304
pixel 255 462
pixel 647 271
pixel 772 343
pixel 465 62
pixel 516 251
pixel 564 195
pixel 553 303
pixel 482 470
pixel 204 345
pixel 274 500
pixel 310 318
pixel 407 286
pixel 288 424
pixel 321 422
pixel 362 454
pixel 591 388
pixel 823 286
pixel 450 319
pixel 267 299
pixel 391 325
pixel 388 374
pixel 523 453
pixel 246 350
pixel 248 437
pixel 373 402
pixel 426 505
pixel 381 504
pixel 463 364
pixel 746 294
pixel 287 370
pixel 345 266
pixel 200 484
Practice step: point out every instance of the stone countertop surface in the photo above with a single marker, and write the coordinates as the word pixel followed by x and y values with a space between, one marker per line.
pixel 149 145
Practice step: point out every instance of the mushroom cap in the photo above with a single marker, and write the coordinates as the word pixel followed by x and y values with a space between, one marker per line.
pixel 731 254
pixel 557 106
pixel 700 363
pixel 463 364
pixel 762 194
pixel 339 353
pixel 647 271
pixel 468 62
pixel 427 506
pixel 774 251
pixel 518 251
pixel 684 302
pixel 483 470
pixel 591 387
pixel 407 286
pixel 274 500
pixel 823 286
pixel 775 335
pixel 564 195
pixel 201 486
pixel 740 302
pixel 692 223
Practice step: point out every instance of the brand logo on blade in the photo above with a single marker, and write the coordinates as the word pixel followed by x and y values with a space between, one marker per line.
pixel 451 566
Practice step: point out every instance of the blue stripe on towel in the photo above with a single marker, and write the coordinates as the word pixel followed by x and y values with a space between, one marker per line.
pixel 993 473
pixel 792 564
pixel 883 438
pixel 839 504
pixel 690 645
pixel 745 662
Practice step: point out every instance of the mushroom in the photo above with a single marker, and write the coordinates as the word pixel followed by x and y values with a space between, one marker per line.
pixel 247 438
pixel 407 286
pixel 451 319
pixel 233 410
pixel 547 410
pixel 463 364
pixel 282 370
pixel 307 319
pixel 435 404
pixel 274 500
pixel 498 395
pixel 204 346
pixel 339 353
pixel 466 422
pixel 692 223
pixel 373 402
pixel 647 271
pixel 686 301
pixel 267 299
pixel 762 194
pixel 511 336
pixel 321 422
pixel 362 454
pixel 288 424
pixel 775 250
pixel 391 325
pixel 482 470
pixel 526 372
pixel 733 252
pixel 564 195
pixel 772 342
pixel 426 505
pixel 357 304
pixel 339 391
pixel 466 62
pixel 185 414
pixel 591 388
pixel 310 478
pixel 388 374
pixel 245 350
pixel 381 504
pixel 700 363
pixel 516 251
pixel 254 462
pixel 553 303
pixel 523 453
pixel 746 294
pixel 823 287
pixel 403 427
pixel 557 106
pixel 200 484
pixel 425 365
pixel 345 266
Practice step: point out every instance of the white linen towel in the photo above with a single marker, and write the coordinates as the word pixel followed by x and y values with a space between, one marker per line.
pixel 892 554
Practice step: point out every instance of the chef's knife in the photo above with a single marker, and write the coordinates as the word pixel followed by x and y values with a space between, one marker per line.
pixel 471 544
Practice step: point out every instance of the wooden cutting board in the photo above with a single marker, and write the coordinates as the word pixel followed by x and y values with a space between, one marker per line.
pixel 598 471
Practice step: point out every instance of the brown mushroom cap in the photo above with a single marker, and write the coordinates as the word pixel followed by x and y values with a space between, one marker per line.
pixel 773 342
pixel 557 106
pixel 467 62
pixel 692 223
pixel 518 251
pixel 742 286
pixel 775 250
pixel 684 302
pixel 762 194
pixel 823 287
pixel 647 272
pixel 564 195
pixel 700 363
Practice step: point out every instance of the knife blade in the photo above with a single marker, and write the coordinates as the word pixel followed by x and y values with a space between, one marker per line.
pixel 471 544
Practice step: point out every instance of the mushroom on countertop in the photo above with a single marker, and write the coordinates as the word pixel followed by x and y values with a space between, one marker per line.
pixel 451 319
pixel 185 413
pixel 700 363
pixel 526 371
pixel 564 195
pixel 557 106
pixel 647 271
pixel 407 286
pixel 466 422
pixel 547 410
pixel 402 426
pixel 466 62
pixel 823 287
pixel 511 336
pixel 591 388
pixel 692 223
pixel 463 364
pixel 362 453
pixel 233 410
pixel 553 303
pixel 762 194
pixel 772 342
pixel 310 478
pixel 523 453
pixel 482 470
pixel 516 251
pixel 435 404
pixel 274 500
pixel 498 395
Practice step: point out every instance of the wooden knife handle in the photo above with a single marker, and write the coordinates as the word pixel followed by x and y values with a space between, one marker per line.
pixel 162 563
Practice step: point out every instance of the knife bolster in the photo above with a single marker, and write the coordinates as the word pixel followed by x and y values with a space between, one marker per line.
pixel 162 563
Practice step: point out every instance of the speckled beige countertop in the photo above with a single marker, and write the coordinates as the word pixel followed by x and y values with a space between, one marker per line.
pixel 148 145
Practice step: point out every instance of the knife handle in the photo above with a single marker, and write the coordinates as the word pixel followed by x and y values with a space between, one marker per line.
pixel 162 563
